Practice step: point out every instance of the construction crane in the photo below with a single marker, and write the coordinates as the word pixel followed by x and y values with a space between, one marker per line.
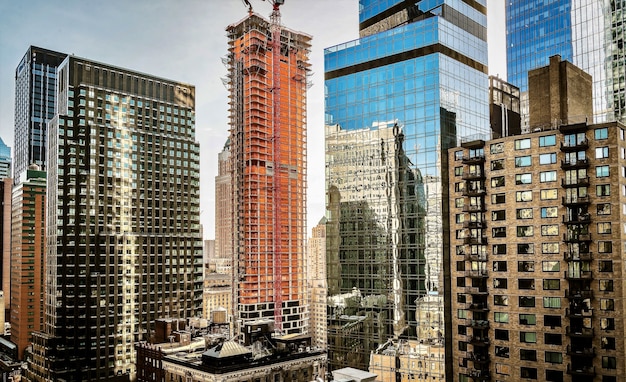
pixel 278 171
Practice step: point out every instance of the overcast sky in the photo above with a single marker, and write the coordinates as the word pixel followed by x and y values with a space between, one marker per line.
pixel 184 40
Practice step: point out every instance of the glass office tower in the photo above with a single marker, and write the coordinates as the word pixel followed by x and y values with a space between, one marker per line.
pixel 588 33
pixel 409 88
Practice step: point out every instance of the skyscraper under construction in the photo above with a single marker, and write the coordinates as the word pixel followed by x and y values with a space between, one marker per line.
pixel 267 77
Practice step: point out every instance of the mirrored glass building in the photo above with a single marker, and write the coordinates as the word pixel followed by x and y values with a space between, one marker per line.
pixel 587 33
pixel 396 98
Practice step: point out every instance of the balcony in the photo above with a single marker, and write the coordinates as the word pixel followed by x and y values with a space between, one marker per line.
pixel 572 238
pixel 581 351
pixel 479 324
pixel 473 143
pixel 479 341
pixel 574 201
pixel 473 240
pixel 578 219
pixel 476 159
pixel 583 371
pixel 479 307
pixel 474 192
pixel 578 294
pixel 478 358
pixel 579 332
pixel 476 273
pixel 475 175
pixel 574 164
pixel 578 312
pixel 474 208
pixel 580 275
pixel 476 257
pixel 474 224
pixel 575 182
pixel 575 146
pixel 569 256
pixel 569 128
pixel 476 290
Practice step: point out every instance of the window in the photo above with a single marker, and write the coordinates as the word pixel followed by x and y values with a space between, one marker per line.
pixel 527 319
pixel 462 329
pixel 496 148
pixel 503 369
pixel 499 249
pixel 550 194
pixel 552 321
pixel 608 343
pixel 525 231
pixel 524 213
pixel 547 176
pixel 528 337
pixel 602 152
pixel 498 232
pixel 528 372
pixel 501 334
pixel 462 346
pixel 501 300
pixel 605 246
pixel 500 283
pixel 458 171
pixel 605 266
pixel 607 304
pixel 551 302
pixel 606 285
pixel 548 140
pixel 551 284
pixel 524 196
pixel 550 230
pixel 602 133
pixel 460 266
pixel 554 376
pixel 498 198
pixel 502 351
pixel 459 186
pixel 603 209
pixel 527 355
pixel 549 248
pixel 554 357
pixel 499 266
pixel 526 284
pixel 497 164
pixel 458 155
pixel 526 301
pixel 547 158
pixel 461 313
pixel 602 171
pixel 549 212
pixel 522 144
pixel 525 266
pixel 552 339
pixel 550 266
pixel 603 190
pixel 501 317
pixel 524 161
pixel 525 248
pixel 498 215
pixel 459 202
pixel 609 362
pixel 497 181
pixel 523 178
pixel 607 323
pixel 604 227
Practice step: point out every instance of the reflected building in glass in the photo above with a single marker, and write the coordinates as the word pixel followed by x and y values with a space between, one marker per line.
pixel 587 33
pixel 409 88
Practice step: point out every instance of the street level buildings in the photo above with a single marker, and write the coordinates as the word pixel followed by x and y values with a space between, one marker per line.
pixel 537 232
pixel 412 84
pixel 123 231
pixel 268 67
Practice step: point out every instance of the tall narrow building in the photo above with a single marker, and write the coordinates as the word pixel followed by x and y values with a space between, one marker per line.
pixel 224 234
pixel 587 33
pixel 316 284
pixel 123 230
pixel 35 97
pixel 267 77
pixel 28 246
pixel 6 186
pixel 396 98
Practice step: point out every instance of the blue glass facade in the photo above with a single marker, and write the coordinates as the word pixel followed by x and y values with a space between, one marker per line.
pixel 588 33
pixel 394 100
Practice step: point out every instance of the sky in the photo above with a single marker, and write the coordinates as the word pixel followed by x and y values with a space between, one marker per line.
pixel 184 40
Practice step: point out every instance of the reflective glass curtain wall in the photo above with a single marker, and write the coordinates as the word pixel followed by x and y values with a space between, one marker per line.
pixel 409 88
pixel 587 33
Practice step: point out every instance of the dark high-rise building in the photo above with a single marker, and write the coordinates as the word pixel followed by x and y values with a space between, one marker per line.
pixel 504 112
pixel 268 67
pixel 396 98
pixel 587 33
pixel 35 95
pixel 123 230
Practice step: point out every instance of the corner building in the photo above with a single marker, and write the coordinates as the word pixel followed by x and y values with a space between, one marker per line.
pixel 267 80
pixel 396 98
pixel 124 242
